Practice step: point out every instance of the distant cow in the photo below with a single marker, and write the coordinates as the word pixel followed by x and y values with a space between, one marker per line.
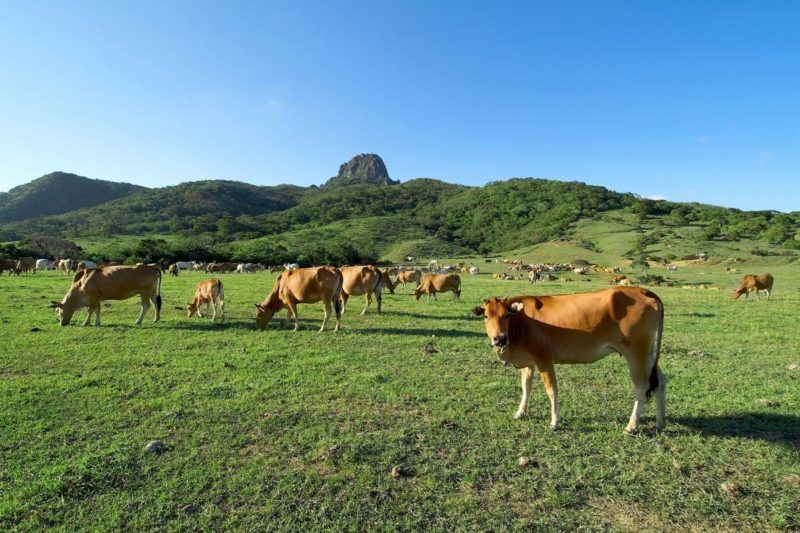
pixel 173 269
pixel 184 265
pixel 534 276
pixel 408 276
pixel 24 264
pixel 44 264
pixel 8 264
pixel 754 282
pixel 303 285
pixel 434 283
pixel 615 280
pixel 210 293
pixel 358 280
pixel 473 270
pixel 94 285
pixel 67 265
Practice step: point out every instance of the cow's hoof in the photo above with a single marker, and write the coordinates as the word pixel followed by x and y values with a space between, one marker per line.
pixel 630 432
pixel 554 427
pixel 518 415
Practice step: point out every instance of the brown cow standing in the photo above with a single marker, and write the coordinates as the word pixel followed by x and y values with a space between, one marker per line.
pixel 407 276
pixel 8 264
pixel 541 331
pixel 97 284
pixel 303 285
pixel 433 283
pixel 754 282
pixel 209 292
pixel 358 280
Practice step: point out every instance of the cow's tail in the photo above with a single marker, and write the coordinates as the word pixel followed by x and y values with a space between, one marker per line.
pixel 378 288
pixel 337 294
pixel 158 291
pixel 655 381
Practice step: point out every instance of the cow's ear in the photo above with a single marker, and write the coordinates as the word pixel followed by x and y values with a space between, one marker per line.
pixel 477 311
pixel 54 304
pixel 515 307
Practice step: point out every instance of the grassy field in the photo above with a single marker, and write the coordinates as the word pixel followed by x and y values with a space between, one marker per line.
pixel 280 429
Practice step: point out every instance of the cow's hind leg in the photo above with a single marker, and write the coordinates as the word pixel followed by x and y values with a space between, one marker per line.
pixel 145 308
pixel 88 316
pixel 156 299
pixel 641 384
pixel 526 378
pixel 345 297
pixel 367 301
pixel 328 306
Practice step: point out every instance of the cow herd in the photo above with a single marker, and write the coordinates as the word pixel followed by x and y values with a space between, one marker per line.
pixel 529 332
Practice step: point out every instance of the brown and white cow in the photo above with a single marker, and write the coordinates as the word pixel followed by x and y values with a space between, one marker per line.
pixel 307 286
pixel 173 269
pixel 542 331
pixel 754 282
pixel 97 284
pixel 408 276
pixel 361 279
pixel 210 293
pixel 24 264
pixel 433 283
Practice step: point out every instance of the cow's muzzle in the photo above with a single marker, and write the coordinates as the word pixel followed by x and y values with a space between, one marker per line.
pixel 500 344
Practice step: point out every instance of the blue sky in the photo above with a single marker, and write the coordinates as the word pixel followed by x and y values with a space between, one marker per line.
pixel 692 101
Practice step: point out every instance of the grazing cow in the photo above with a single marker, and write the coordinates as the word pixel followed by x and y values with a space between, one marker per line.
pixel 44 264
pixel 174 269
pixel 541 331
pixel 754 282
pixel 24 264
pixel 407 276
pixel 626 282
pixel 615 280
pixel 209 292
pixel 534 276
pixel 307 286
pixel 433 283
pixel 67 265
pixel 387 283
pixel 360 280
pixel 473 270
pixel 8 264
pixel 94 285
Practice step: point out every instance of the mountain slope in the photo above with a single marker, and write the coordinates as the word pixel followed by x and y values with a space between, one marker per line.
pixel 180 208
pixel 59 192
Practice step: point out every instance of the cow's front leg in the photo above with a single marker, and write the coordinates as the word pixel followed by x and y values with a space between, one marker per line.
pixel 88 316
pixel 292 310
pixel 548 374
pixel 526 378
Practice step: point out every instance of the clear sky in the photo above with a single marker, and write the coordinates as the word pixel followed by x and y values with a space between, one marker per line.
pixel 692 101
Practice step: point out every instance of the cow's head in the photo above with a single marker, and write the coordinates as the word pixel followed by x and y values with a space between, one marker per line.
pixel 416 293
pixel 191 309
pixel 265 312
pixel 496 314
pixel 738 292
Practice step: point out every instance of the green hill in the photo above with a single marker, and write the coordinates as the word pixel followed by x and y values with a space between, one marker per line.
pixel 362 216
pixel 59 192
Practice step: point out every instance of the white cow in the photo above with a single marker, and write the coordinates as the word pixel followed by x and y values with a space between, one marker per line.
pixel 184 265
pixel 474 270
pixel 44 264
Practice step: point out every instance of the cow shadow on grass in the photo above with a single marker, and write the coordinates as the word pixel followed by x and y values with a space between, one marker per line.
pixel 776 428
pixel 424 332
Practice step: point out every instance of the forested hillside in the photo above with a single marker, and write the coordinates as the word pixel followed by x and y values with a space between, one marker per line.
pixel 59 192
pixel 372 218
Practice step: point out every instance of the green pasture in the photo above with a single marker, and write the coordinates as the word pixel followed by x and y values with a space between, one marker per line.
pixel 278 429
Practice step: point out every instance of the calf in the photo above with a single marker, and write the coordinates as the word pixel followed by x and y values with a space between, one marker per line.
pixel 210 293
